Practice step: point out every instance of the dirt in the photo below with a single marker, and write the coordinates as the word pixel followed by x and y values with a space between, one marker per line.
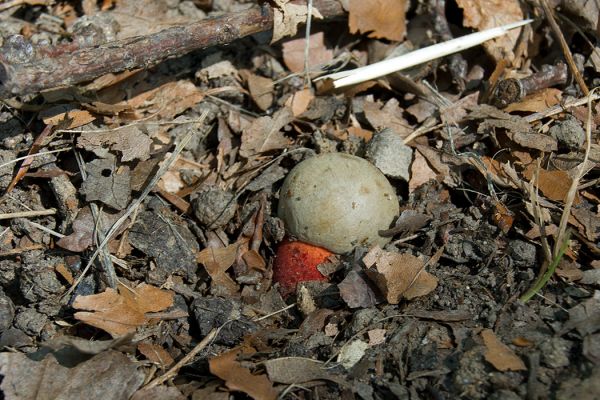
pixel 481 193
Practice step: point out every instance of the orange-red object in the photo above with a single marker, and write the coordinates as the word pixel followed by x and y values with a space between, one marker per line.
pixel 297 262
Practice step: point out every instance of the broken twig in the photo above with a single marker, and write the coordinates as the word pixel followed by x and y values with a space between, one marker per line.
pixel 45 68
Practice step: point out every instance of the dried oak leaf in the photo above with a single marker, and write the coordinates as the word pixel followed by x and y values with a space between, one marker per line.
pixel 108 375
pixel 293 53
pixel 66 112
pixel 486 14
pixel 238 378
pixel 381 19
pixel 553 184
pixel 500 355
pixel 290 370
pixel 287 17
pixel 388 116
pixel 217 261
pixel 356 292
pixel 264 134
pixel 260 88
pixel 119 313
pixel 420 172
pixel 537 102
pixel 155 353
pixel 396 274
pixel 130 141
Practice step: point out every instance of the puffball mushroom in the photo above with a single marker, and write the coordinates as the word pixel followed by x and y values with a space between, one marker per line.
pixel 337 201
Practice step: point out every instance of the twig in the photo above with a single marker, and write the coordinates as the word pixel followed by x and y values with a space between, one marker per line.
pixel 66 66
pixel 187 358
pixel 565 47
pixel 382 68
pixel 27 214
pixel 309 6
pixel 136 203
pixel 513 90
pixel 557 109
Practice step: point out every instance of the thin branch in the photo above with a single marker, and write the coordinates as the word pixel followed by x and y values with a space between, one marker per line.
pixel 67 65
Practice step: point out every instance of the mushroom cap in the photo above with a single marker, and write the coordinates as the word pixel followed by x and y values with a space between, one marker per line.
pixel 337 201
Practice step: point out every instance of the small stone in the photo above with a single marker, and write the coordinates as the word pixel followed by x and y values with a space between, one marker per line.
pixel 387 151
pixel 7 312
pixel 524 254
pixel 555 352
pixel 214 207
pixel 569 133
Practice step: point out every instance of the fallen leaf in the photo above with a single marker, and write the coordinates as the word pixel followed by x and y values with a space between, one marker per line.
pixel 238 378
pixel 217 261
pixel 130 141
pixel 260 88
pixel 536 141
pixel 537 102
pixel 294 51
pixel 380 19
pixel 299 101
pixel 356 292
pixel 83 228
pixel 395 273
pixel 107 182
pixel 119 313
pixel 376 336
pixel 553 184
pixel 486 14
pixel 287 17
pixel 420 172
pixel 109 375
pixel 294 370
pixel 388 116
pixel 64 112
pixel 155 353
pixel 500 355
pixel 264 134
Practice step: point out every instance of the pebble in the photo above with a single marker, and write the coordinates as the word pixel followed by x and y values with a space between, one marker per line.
pixel 387 151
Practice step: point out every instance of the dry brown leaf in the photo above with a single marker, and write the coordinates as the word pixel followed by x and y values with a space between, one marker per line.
pixel 500 355
pixel 420 172
pixel 553 184
pixel 380 19
pixel 395 274
pixel 119 313
pixel 130 141
pixel 537 102
pixel 260 88
pixel 61 113
pixel 536 141
pixel 287 17
pixel 167 100
pixel 264 134
pixel 293 52
pixel 486 14
pixel 217 261
pixel 299 101
pixel 388 116
pixel 155 353
pixel 239 378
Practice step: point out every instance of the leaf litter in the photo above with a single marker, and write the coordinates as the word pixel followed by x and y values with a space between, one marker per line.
pixel 489 192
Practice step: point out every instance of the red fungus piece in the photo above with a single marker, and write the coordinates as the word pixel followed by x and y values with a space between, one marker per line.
pixel 297 262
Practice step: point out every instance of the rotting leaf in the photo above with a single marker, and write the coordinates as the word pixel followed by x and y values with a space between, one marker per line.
pixel 217 261
pixel 287 17
pixel 107 183
pixel 84 227
pixel 294 51
pixel 238 378
pixel 395 273
pixel 356 292
pixel 109 375
pixel 299 101
pixel 264 134
pixel 260 88
pixel 388 116
pixel 553 184
pixel 155 353
pixel 119 313
pixel 130 141
pixel 486 14
pixel 294 370
pixel 380 19
pixel 65 112
pixel 535 141
pixel 537 102
pixel 500 355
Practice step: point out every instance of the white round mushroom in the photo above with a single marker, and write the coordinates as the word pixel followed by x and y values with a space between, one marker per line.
pixel 337 201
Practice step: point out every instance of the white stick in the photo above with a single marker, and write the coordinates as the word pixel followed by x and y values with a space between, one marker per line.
pixel 379 69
